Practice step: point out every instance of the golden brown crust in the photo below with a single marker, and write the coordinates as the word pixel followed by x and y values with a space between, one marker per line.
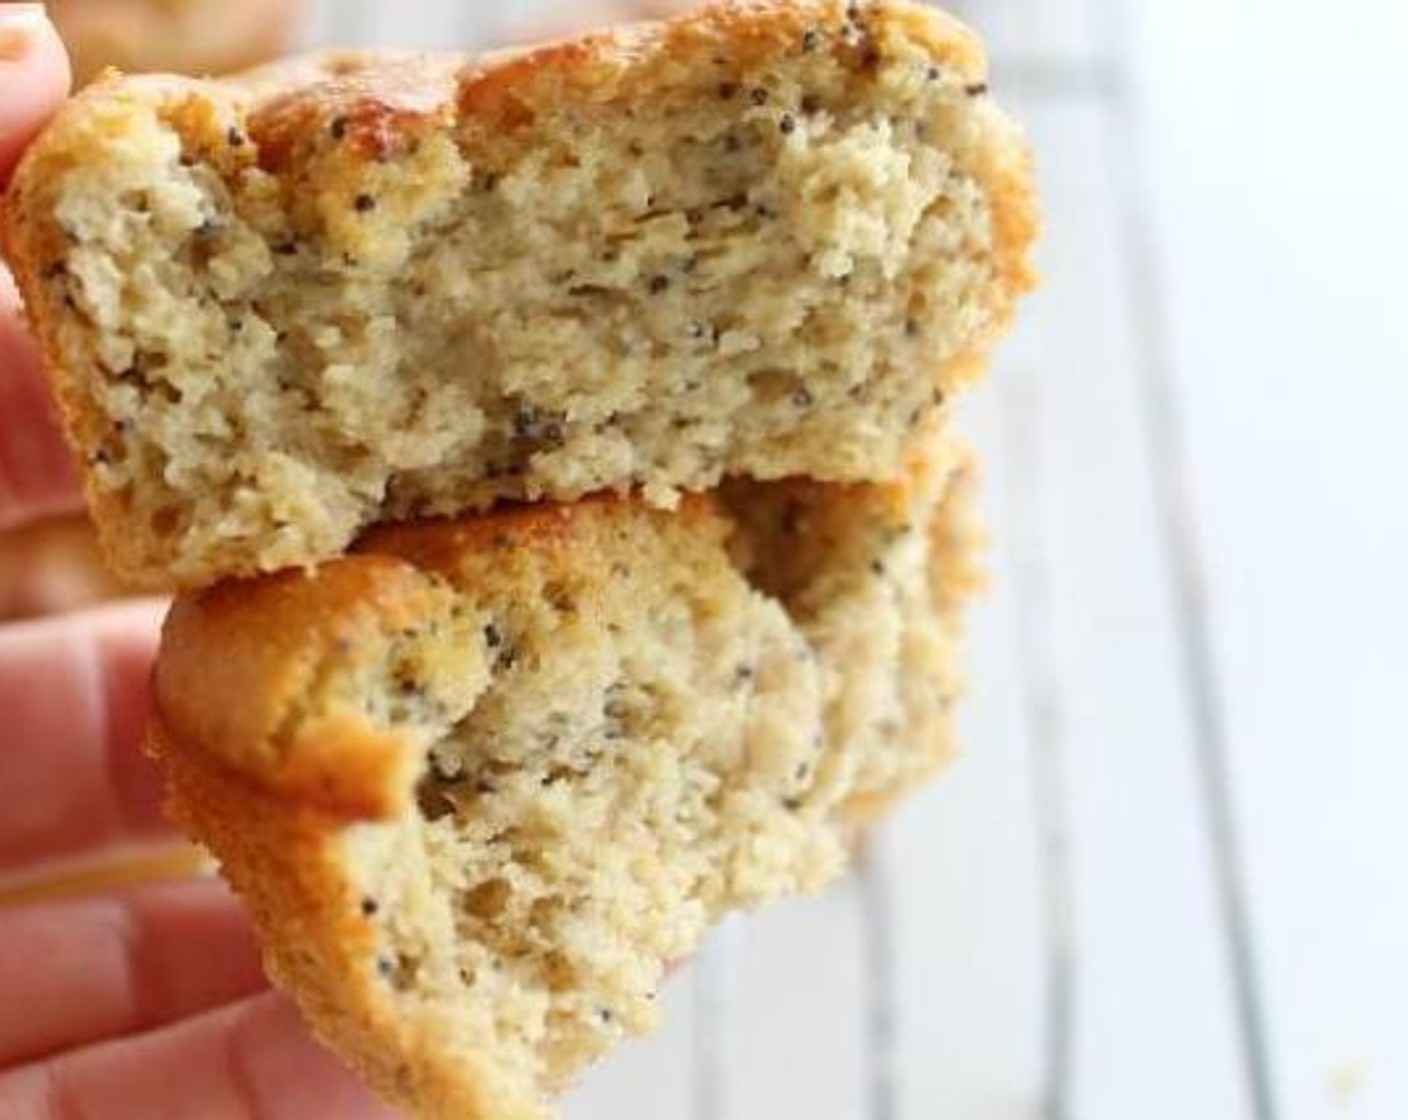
pixel 275 637
pixel 376 103
pixel 440 545
pixel 282 858
pixel 29 239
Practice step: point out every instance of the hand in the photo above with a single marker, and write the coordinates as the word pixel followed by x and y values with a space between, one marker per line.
pixel 147 1001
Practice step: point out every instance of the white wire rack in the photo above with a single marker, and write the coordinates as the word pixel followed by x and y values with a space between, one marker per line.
pixel 1095 915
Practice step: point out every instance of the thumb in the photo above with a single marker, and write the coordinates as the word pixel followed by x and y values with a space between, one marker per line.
pixel 36 475
pixel 34 77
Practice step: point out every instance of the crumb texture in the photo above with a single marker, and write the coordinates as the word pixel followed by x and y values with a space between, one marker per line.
pixel 761 241
pixel 608 726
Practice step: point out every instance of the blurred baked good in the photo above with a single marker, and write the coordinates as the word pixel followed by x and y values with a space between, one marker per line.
pixel 559 21
pixel 174 36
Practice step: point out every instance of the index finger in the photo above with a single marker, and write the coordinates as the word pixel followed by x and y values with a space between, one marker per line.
pixel 74 702
pixel 34 78
pixel 37 473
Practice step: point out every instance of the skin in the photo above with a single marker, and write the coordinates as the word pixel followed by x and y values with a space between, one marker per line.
pixel 145 1000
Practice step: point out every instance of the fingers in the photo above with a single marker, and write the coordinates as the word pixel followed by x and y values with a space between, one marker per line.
pixel 37 475
pixel 34 78
pixel 52 567
pixel 74 693
pixel 92 969
pixel 250 1061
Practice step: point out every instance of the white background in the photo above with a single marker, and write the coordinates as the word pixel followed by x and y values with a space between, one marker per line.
pixel 1168 878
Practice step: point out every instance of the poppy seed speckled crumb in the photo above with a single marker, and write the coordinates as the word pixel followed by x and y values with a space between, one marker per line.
pixel 325 294
pixel 454 891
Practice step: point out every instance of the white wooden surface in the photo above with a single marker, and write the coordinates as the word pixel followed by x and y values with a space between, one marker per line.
pixel 1281 264
pixel 1167 879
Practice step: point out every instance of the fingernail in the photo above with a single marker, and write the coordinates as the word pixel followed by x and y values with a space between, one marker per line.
pixel 19 30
